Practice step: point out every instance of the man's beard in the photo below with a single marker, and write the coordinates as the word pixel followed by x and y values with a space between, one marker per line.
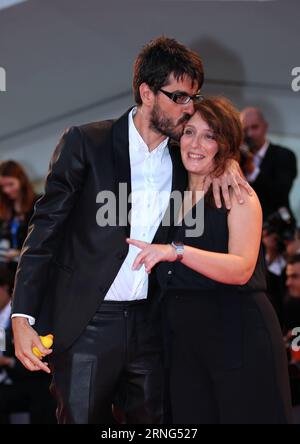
pixel 163 125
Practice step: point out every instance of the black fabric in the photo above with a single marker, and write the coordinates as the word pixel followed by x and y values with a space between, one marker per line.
pixel 291 312
pixel 227 359
pixel 117 358
pixel 278 171
pixel 276 292
pixel 204 388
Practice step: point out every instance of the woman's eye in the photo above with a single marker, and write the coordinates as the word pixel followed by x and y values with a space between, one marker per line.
pixel 210 136
pixel 188 132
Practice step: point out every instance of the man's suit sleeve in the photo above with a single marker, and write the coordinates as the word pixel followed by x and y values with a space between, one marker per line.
pixel 285 172
pixel 63 183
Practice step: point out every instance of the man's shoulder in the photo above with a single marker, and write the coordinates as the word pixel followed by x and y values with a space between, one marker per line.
pixel 281 150
pixel 96 129
pixel 101 129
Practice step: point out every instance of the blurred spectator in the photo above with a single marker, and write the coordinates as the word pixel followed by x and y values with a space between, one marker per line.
pixel 271 169
pixel 292 303
pixel 20 390
pixel 17 199
pixel 276 265
pixel 293 245
pixel 291 321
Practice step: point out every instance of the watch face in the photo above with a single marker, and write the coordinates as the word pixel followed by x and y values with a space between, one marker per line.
pixel 179 247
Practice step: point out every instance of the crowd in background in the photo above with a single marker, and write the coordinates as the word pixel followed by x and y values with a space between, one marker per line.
pixel 270 169
pixel 20 390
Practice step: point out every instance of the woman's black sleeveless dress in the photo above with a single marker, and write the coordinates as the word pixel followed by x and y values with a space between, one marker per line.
pixel 227 358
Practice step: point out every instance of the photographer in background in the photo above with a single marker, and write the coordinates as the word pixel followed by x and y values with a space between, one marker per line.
pixel 278 230
pixel 291 320
pixel 270 169
pixel 293 245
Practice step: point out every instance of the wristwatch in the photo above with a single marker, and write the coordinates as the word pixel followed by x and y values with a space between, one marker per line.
pixel 179 248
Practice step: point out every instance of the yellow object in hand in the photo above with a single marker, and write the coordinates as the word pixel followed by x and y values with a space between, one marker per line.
pixel 47 342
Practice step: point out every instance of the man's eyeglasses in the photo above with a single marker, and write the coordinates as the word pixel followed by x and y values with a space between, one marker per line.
pixel 182 98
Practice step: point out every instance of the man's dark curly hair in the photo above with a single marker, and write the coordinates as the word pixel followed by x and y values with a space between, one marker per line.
pixel 160 58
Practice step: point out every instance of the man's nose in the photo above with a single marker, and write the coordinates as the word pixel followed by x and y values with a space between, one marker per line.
pixel 189 108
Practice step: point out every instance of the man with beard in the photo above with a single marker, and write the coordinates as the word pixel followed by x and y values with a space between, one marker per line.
pixel 107 338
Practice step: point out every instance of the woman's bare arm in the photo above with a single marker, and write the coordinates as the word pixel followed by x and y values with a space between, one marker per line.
pixel 235 267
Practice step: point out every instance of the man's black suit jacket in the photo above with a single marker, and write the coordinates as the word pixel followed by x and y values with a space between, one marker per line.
pixel 68 262
pixel 278 170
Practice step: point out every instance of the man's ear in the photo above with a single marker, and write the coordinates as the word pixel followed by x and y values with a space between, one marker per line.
pixel 146 94
pixel 266 127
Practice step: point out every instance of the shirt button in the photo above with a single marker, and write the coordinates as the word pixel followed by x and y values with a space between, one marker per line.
pixel 170 272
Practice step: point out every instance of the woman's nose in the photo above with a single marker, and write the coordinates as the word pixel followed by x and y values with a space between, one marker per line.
pixel 198 142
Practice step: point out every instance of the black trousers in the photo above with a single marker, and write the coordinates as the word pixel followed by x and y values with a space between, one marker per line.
pixel 30 394
pixel 117 359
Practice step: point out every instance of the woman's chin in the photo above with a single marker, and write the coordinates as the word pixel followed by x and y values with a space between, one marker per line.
pixel 195 169
pixel 198 167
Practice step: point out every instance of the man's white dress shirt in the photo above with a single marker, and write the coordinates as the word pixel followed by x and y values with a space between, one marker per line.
pixel 258 158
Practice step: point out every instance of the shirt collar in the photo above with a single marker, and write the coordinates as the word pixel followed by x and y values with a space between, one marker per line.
pixel 5 316
pixel 262 151
pixel 137 143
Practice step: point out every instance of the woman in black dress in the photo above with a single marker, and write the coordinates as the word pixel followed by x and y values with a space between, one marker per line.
pixel 227 359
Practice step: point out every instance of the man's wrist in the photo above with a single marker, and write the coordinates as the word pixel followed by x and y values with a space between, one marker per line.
pixel 20 320
pixel 30 319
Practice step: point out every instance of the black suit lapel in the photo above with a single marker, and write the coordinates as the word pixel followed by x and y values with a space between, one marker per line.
pixel 179 177
pixel 122 167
